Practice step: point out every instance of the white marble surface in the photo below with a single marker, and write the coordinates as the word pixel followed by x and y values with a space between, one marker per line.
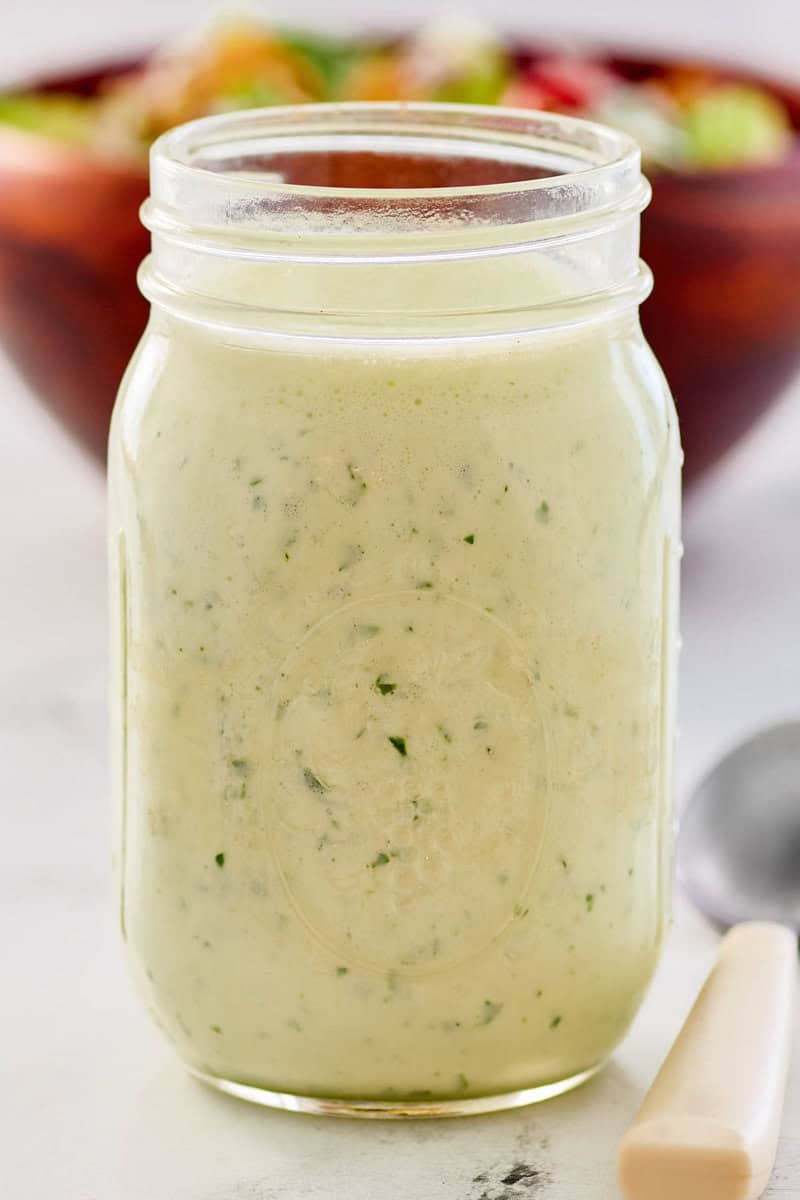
pixel 94 1106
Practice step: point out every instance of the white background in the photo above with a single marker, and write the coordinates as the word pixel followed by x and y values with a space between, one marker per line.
pixel 36 32
pixel 94 1108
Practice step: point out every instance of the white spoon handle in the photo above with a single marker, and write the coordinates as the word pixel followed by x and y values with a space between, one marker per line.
pixel 709 1125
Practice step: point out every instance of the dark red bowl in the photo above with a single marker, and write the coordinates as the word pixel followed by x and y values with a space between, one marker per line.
pixel 724 247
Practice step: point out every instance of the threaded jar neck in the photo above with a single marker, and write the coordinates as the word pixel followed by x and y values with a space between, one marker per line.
pixel 492 219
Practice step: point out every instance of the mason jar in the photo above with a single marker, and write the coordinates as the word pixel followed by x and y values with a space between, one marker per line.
pixel 394 534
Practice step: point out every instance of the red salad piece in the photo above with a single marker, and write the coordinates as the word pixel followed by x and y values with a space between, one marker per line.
pixel 573 82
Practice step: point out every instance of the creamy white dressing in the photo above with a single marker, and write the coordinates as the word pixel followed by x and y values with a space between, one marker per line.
pixel 396 685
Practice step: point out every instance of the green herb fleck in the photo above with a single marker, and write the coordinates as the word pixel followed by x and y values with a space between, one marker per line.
pixel 424 585
pixel 219 859
pixel 448 737
pixel 399 744
pixel 589 898
pixel 313 781
pixel 563 862
pixel 490 1011
pixel 256 480
pixel 384 685
pixel 216 1028
pixel 463 1082
pixel 367 630
pixel 470 539
pixel 520 912
pixel 356 476
pixel 555 1022
pixel 570 711
pixel 481 724
pixel 543 512
pixel 295 1025
pixel 380 859
pixel 241 765
pixel 341 970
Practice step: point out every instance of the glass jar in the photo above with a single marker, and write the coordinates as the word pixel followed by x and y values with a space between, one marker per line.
pixel 394 532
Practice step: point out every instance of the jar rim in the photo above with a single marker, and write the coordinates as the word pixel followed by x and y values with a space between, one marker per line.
pixel 203 171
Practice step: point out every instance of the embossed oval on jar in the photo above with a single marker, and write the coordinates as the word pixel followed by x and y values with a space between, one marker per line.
pixel 407 780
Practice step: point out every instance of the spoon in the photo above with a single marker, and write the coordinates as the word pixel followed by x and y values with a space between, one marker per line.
pixel 739 842
pixel 708 1127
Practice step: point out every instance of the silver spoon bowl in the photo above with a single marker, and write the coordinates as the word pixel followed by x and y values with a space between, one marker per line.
pixel 739 838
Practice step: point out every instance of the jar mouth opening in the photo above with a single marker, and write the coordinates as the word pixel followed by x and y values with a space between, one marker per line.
pixel 353 167
pixel 461 148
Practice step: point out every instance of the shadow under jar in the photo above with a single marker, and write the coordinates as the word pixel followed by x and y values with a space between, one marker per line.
pixel 394 541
